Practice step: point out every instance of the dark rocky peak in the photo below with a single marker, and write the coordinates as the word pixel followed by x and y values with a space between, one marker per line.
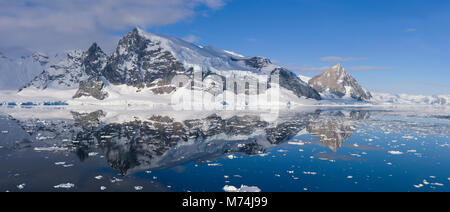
pixel 254 62
pixel 94 61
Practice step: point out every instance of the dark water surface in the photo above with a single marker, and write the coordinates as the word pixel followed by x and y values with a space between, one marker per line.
pixel 326 149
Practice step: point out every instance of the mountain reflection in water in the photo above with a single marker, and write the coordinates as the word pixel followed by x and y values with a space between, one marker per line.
pixel 162 142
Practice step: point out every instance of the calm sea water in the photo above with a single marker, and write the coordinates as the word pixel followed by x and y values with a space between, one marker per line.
pixel 320 149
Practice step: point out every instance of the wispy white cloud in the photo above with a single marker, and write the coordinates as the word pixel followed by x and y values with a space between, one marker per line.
pixel 191 38
pixel 340 59
pixel 351 68
pixel 73 23
pixel 367 68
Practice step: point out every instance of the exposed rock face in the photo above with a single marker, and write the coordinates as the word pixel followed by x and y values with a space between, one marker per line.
pixel 291 82
pixel 78 66
pixel 141 62
pixel 94 61
pixel 255 62
pixel 338 84
pixel 91 88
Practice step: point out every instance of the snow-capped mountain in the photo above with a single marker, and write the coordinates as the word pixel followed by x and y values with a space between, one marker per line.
pixel 336 83
pixel 406 99
pixel 76 67
pixel 149 62
pixel 15 72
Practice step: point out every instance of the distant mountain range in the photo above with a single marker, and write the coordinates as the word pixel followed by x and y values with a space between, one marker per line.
pixel 144 64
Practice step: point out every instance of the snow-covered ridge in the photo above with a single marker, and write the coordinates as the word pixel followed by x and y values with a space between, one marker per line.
pixel 16 72
pixel 406 99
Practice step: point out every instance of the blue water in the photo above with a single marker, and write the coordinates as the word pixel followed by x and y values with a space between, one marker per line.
pixel 330 150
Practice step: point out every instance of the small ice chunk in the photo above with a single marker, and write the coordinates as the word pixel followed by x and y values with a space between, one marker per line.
pixel 296 143
pixel 5 132
pixel 50 149
pixel 228 188
pixel 60 163
pixel 418 186
pixel 437 184
pixel 243 188
pixel 64 186
pixel 310 173
pixel 138 188
pixel 102 188
pixel 21 186
pixel 114 180
pixel 99 177
pixel 349 177
pixel 92 154
pixel 395 152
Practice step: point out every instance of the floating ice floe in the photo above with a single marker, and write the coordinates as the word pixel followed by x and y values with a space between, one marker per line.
pixel 138 188
pixel 310 173
pixel 437 184
pixel 102 188
pixel 50 149
pixel 243 188
pixel 296 143
pixel 99 177
pixel 21 186
pixel 395 152
pixel 60 163
pixel 92 154
pixel 418 186
pixel 64 186
pixel 5 132
pixel 114 180
pixel 412 151
pixel 214 164
pixel 349 177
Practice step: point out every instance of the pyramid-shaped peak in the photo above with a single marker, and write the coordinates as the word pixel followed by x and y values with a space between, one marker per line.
pixel 337 67
pixel 94 48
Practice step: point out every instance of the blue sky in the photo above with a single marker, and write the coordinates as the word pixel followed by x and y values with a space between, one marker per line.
pixel 396 46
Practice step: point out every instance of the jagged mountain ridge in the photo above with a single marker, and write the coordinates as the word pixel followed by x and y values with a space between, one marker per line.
pixel 76 67
pixel 336 83
pixel 15 72
pixel 145 60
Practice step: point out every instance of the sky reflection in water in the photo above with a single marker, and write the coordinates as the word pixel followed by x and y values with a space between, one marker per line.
pixel 316 150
